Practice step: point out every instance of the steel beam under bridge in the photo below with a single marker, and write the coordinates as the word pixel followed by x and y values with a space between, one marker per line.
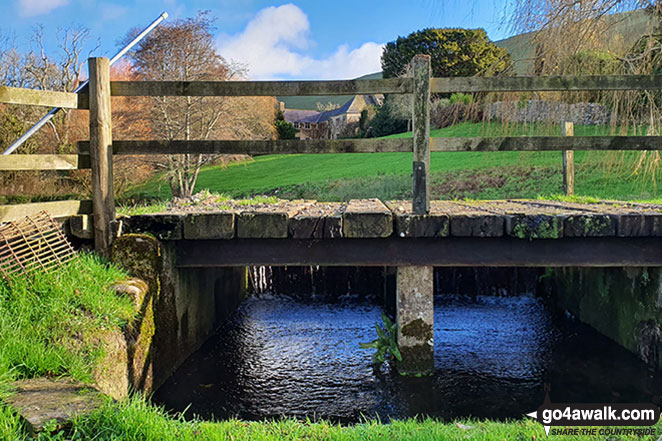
pixel 452 251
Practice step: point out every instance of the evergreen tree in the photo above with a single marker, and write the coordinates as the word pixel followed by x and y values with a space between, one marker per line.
pixel 455 52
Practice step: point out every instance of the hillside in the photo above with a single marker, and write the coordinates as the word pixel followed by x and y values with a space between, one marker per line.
pixel 624 29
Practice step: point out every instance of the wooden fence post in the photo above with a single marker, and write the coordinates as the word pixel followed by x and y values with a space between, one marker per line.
pixel 101 154
pixel 421 127
pixel 569 161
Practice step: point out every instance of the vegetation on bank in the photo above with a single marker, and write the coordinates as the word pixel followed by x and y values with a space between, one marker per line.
pixel 50 325
pixel 137 420
pixel 48 322
pixel 476 175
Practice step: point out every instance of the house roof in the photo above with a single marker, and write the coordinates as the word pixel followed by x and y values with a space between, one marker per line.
pixel 298 115
pixel 355 105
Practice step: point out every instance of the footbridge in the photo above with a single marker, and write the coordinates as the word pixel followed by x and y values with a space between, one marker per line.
pixel 375 233
pixel 388 234
pixel 411 235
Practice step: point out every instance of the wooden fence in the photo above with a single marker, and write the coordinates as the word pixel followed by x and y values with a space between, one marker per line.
pixel 97 154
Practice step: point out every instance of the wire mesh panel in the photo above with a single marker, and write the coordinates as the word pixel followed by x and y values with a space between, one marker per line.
pixel 35 243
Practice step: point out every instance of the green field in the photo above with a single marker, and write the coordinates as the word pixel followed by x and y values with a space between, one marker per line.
pixel 477 175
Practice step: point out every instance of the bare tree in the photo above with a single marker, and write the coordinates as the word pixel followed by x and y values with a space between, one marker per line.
pixel 61 72
pixel 11 72
pixel 185 50
pixel 38 69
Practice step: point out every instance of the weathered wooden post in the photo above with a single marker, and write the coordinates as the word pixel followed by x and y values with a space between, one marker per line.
pixel 421 69
pixel 415 284
pixel 569 161
pixel 101 154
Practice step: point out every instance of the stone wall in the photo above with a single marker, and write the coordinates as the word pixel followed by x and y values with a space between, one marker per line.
pixel 625 304
pixel 178 310
pixel 547 111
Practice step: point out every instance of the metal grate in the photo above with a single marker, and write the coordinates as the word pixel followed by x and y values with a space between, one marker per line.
pixel 34 243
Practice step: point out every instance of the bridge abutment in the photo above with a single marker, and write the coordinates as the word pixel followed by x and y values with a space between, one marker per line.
pixel 182 308
pixel 415 319
pixel 624 304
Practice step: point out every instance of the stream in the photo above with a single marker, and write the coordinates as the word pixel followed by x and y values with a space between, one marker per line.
pixel 282 355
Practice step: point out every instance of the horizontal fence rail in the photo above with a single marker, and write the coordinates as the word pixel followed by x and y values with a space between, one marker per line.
pixel 260 88
pixel 312 146
pixel 44 162
pixel 257 147
pixel 55 209
pixel 14 95
pixel 547 143
pixel 385 86
pixel 545 84
pixel 48 98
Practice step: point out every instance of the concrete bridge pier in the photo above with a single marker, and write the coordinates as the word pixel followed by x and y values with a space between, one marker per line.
pixel 415 319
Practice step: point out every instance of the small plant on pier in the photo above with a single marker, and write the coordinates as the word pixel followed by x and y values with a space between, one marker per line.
pixel 386 344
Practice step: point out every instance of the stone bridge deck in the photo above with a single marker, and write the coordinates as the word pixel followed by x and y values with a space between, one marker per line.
pixel 455 233
pixel 372 218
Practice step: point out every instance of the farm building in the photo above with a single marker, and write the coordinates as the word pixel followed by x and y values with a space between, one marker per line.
pixel 331 124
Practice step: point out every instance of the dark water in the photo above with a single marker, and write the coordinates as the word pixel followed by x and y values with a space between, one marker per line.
pixel 282 357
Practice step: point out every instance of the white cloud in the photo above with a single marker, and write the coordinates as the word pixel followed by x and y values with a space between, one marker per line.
pixel 30 8
pixel 274 43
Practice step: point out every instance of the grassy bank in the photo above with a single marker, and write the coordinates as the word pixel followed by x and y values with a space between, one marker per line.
pixel 136 420
pixel 48 322
pixel 49 325
pixel 478 175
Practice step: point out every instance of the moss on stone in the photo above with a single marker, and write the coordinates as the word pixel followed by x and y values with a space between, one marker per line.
pixel 536 227
pixel 140 255
pixel 51 405
pixel 594 225
pixel 446 230
pixel 110 373
pixel 418 329
pixel 591 225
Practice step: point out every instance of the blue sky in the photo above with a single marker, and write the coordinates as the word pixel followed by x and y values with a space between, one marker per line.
pixel 277 40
